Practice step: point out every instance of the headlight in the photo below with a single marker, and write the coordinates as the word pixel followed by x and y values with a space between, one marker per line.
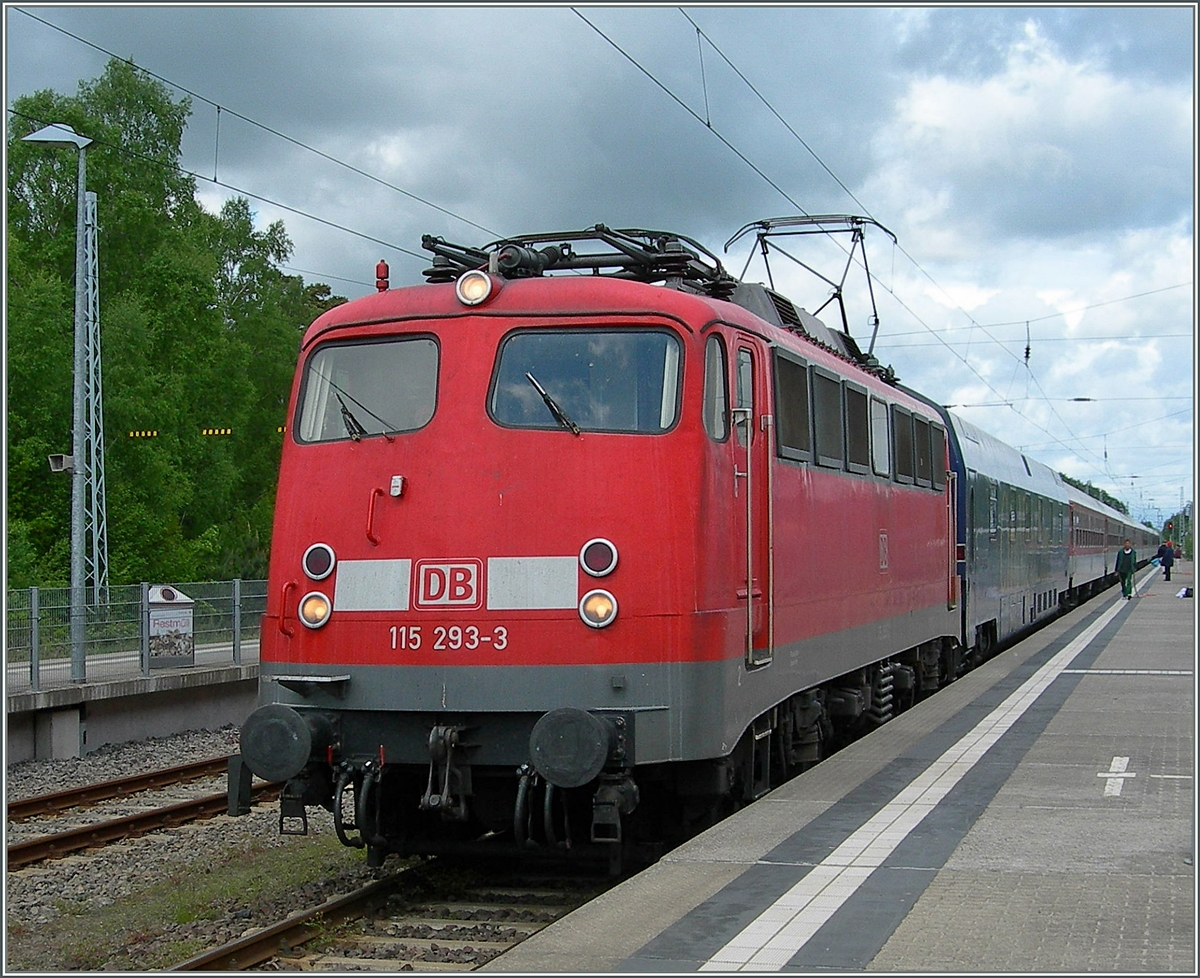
pixel 598 608
pixel 315 609
pixel 473 288
pixel 598 557
pixel 318 561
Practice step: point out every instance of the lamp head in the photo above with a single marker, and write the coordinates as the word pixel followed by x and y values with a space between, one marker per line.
pixel 56 133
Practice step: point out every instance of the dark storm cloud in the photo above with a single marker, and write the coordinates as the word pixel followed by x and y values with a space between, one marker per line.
pixel 520 115
pixel 524 112
pixel 1031 159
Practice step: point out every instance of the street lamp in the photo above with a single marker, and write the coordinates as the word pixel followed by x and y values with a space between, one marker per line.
pixel 57 135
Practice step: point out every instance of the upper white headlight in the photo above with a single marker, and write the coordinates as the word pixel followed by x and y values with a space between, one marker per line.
pixel 473 287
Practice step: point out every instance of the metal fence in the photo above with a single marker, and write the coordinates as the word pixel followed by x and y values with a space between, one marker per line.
pixel 117 634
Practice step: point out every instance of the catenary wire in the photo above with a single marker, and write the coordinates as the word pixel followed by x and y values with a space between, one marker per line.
pixel 265 128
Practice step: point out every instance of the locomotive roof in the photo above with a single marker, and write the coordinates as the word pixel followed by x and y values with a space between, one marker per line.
pixel 752 306
pixel 662 258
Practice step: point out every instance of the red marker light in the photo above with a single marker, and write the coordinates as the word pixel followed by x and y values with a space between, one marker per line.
pixel 381 276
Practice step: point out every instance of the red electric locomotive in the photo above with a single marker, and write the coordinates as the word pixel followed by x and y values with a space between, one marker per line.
pixel 568 560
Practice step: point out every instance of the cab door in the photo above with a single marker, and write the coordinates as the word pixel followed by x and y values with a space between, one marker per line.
pixel 752 430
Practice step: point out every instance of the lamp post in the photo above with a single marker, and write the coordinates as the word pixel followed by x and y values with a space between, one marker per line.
pixel 57 135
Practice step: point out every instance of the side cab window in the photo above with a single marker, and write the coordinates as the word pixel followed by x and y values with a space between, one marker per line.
pixel 716 393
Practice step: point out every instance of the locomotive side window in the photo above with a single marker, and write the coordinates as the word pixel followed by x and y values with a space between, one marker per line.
pixel 880 445
pixel 858 441
pixel 745 396
pixel 716 399
pixel 827 415
pixel 792 434
pixel 359 390
pixel 937 440
pixel 902 429
pixel 921 450
pixel 598 380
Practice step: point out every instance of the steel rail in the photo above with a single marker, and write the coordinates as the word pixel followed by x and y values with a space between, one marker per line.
pixel 93 793
pixel 269 942
pixel 62 844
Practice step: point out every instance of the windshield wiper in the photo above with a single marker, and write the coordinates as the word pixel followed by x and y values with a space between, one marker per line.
pixel 559 414
pixel 355 429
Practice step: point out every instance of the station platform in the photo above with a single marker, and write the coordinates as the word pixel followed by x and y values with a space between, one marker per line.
pixel 1036 815
pixel 116 705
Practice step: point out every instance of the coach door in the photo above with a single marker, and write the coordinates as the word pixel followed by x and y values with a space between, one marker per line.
pixel 752 430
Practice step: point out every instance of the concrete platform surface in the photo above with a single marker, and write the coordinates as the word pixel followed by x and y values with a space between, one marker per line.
pixel 1037 815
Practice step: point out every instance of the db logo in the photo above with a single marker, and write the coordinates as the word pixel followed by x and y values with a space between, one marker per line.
pixel 449 584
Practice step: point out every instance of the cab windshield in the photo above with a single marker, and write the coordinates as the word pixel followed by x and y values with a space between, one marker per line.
pixel 359 390
pixel 597 380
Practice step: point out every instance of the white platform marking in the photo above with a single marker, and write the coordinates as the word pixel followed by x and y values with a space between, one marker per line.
pixel 772 939
pixel 1127 672
pixel 1115 776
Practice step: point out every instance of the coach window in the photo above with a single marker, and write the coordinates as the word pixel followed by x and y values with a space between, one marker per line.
pixel 716 398
pixel 993 511
pixel 937 441
pixel 827 417
pixel 921 450
pixel 793 433
pixel 858 435
pixel 902 432
pixel 364 390
pixel 881 455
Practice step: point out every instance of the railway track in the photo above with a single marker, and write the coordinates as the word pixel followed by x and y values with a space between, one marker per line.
pixel 19 811
pixel 57 842
pixel 433 917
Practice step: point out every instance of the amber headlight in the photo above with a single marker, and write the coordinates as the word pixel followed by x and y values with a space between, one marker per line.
pixel 315 609
pixel 598 608
pixel 473 288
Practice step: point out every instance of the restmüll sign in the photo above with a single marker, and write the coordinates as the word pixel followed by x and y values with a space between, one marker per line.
pixel 172 641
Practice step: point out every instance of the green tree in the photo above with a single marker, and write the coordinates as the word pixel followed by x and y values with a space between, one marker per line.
pixel 200 330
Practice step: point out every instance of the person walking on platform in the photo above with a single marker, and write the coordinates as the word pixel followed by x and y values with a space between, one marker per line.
pixel 1126 565
pixel 1166 557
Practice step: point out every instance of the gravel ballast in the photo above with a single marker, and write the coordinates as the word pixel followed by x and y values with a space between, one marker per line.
pixel 150 902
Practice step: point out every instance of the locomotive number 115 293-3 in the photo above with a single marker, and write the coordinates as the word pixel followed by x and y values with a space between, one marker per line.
pixel 443 637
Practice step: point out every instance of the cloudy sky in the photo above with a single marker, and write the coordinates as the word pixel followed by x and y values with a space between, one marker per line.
pixel 1036 164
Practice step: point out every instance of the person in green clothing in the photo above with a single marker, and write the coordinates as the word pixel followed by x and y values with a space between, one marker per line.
pixel 1126 565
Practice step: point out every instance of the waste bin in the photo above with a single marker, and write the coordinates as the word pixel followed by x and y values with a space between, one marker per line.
pixel 172 642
